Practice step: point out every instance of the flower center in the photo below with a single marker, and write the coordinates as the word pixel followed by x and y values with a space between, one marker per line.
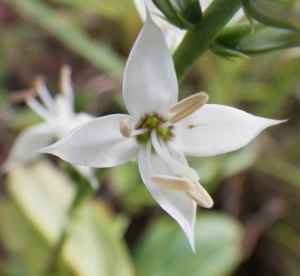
pixel 151 123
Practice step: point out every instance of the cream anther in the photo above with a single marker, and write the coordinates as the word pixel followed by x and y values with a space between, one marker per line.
pixel 200 196
pixel 65 80
pixel 125 127
pixel 187 106
pixel 173 183
pixel 21 95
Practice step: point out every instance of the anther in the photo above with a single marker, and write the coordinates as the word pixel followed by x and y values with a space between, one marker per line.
pixel 173 183
pixel 200 196
pixel 65 79
pixel 38 81
pixel 187 106
pixel 125 127
pixel 21 95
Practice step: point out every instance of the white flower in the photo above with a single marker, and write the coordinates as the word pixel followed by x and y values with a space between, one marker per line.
pixel 160 131
pixel 173 34
pixel 60 118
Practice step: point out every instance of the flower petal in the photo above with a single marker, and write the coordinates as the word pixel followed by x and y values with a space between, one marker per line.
pixel 150 82
pixel 29 140
pixel 97 143
pixel 176 204
pixel 216 129
pixel 172 34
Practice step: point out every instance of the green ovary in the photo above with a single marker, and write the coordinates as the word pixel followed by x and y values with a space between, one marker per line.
pixel 152 123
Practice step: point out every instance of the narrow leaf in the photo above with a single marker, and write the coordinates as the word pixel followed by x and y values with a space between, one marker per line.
pixel 96 53
pixel 275 13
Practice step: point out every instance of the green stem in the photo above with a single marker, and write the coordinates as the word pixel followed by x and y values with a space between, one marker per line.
pixel 54 265
pixel 196 42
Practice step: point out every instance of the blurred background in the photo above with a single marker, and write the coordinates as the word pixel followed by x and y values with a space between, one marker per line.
pixel 254 226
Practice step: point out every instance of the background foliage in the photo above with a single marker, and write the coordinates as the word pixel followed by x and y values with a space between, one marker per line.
pixel 253 228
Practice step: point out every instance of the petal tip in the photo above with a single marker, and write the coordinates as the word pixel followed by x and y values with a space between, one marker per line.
pixel 49 149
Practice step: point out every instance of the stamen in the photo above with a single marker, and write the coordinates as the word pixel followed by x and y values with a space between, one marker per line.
pixel 139 131
pixel 148 158
pixel 39 109
pixel 176 166
pixel 173 183
pixel 125 127
pixel 200 196
pixel 187 106
pixel 44 94
pixel 21 95
pixel 164 125
pixel 65 83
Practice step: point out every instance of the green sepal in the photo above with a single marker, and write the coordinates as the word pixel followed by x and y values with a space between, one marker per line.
pixel 274 13
pixel 226 52
pixel 241 39
pixel 249 18
pixel 184 14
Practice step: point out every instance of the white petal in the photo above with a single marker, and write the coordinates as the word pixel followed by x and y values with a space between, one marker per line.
pixel 88 173
pixel 216 129
pixel 97 143
pixel 64 110
pixel 150 82
pixel 172 34
pixel 29 140
pixel 64 125
pixel 141 8
pixel 176 204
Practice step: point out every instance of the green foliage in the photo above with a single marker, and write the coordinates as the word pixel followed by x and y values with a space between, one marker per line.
pixel 33 219
pixel 197 40
pixel 183 14
pixel 275 13
pixel 163 249
pixel 44 195
pixel 23 241
pixel 242 39
pixel 96 53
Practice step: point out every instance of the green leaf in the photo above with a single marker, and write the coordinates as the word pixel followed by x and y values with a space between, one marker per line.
pixel 96 53
pixel 93 246
pixel 240 39
pixel 22 241
pixel 275 13
pixel 183 14
pixel 164 249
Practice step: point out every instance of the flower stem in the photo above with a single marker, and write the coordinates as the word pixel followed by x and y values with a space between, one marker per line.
pixel 54 266
pixel 196 41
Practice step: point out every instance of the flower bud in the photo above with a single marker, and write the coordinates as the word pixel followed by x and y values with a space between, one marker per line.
pixel 183 14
